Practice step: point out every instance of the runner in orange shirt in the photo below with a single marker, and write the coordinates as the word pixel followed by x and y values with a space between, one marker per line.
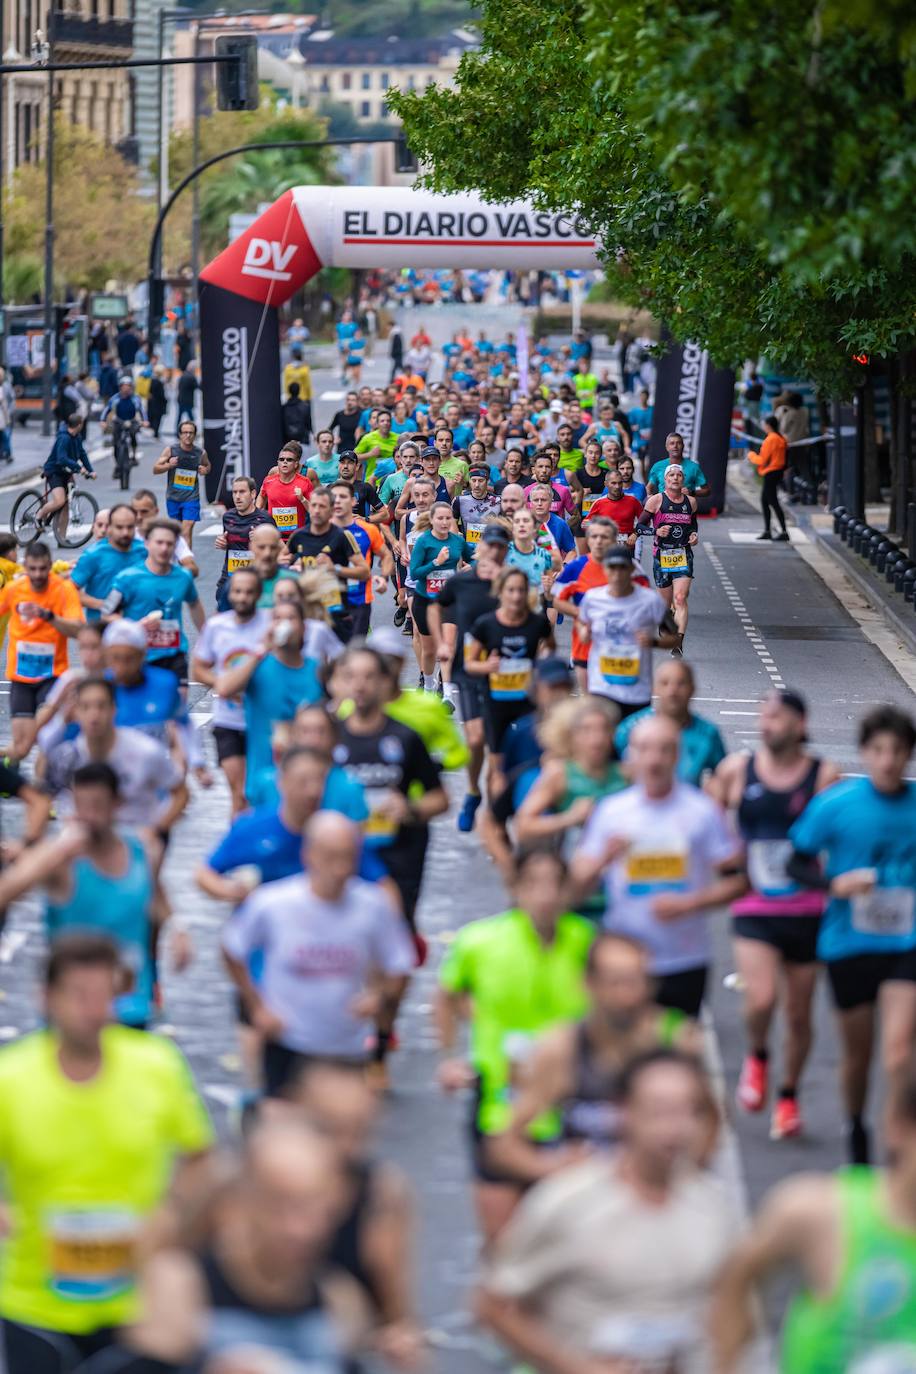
pixel 372 544
pixel 44 611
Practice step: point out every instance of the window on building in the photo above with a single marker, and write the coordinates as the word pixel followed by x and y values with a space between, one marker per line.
pixel 324 85
pixel 430 80
pixel 411 82
pixel 383 110
pixel 366 82
pixel 346 81
pixel 365 108
pixel 386 81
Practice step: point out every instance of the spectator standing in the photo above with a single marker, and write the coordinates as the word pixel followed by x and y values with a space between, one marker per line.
pixel 396 350
pixel 158 402
pixel 188 385
pixel 128 344
pixel 297 416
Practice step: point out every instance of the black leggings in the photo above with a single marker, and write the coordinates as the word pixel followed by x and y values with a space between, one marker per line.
pixel 769 499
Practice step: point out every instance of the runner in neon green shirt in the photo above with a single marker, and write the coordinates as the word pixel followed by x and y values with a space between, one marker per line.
pixel 93 1118
pixel 850 1237
pixel 523 971
pixel 378 444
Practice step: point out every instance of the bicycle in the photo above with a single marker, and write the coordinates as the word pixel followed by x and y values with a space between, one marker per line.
pixel 81 510
pixel 125 440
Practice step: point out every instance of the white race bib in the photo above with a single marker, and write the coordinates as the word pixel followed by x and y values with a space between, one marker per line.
pixel 34 659
pixel 673 560
pixel 620 667
pixel 163 634
pixel 884 911
pixel 285 517
pixel 91 1252
pixel 766 867
pixel 512 680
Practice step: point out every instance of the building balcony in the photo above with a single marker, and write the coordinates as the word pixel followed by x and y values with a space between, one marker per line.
pixel 72 31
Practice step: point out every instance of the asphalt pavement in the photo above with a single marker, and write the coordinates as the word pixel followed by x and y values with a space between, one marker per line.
pixel 760 614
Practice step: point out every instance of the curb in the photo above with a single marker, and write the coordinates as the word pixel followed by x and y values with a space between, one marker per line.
pixel 12 479
pixel 860 574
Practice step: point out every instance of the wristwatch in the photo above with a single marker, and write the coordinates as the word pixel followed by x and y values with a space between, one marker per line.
pixel 45 613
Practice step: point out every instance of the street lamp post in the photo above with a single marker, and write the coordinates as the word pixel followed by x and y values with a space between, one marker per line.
pixel 43 51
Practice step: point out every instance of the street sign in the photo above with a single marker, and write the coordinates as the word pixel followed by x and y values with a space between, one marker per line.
pixel 108 307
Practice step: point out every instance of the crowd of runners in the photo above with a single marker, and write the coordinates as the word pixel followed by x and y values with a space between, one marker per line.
pixel 540 570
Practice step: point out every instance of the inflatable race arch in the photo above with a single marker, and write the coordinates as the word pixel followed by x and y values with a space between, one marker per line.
pixel 311 227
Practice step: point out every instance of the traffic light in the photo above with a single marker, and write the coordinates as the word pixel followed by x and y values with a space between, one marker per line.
pixel 237 82
pixel 404 159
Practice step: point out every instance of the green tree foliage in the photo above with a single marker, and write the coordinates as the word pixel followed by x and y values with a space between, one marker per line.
pixel 102 224
pixel 620 109
pixel 241 183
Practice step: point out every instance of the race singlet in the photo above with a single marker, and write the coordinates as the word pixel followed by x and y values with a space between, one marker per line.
pixel 621 667
pixel 92 1252
pixel 34 660
pixel 512 680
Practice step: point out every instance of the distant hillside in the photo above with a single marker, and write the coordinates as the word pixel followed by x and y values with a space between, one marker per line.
pixel 367 18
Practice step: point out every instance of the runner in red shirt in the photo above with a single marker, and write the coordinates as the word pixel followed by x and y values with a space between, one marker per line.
pixel 623 510
pixel 285 494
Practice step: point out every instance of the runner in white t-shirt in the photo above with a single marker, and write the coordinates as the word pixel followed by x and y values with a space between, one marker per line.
pixel 334 947
pixel 667 855
pixel 226 638
pixel 624 622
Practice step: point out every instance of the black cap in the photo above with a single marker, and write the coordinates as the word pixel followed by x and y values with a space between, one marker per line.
pixel 430 453
pixel 554 671
pixel 497 536
pixel 618 556
pixel 478 472
pixel 350 455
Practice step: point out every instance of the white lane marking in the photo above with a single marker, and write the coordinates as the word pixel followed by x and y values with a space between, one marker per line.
pixel 201 717
pixel 736 700
pixel 332 395
pixel 737 713
pixel 796 536
pixel 754 636
pixel 208 531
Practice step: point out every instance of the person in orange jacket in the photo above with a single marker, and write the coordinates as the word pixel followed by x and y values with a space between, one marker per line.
pixel 770 462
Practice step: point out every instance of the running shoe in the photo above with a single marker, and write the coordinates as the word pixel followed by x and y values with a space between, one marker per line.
pixel 786 1121
pixel 400 616
pixel 764 535
pixel 782 538
pixel 468 812
pixel 752 1087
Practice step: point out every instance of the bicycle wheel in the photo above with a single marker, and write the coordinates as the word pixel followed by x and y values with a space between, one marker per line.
pixel 24 517
pixel 122 463
pixel 83 510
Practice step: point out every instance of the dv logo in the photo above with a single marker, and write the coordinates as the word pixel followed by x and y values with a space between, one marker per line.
pixel 269 259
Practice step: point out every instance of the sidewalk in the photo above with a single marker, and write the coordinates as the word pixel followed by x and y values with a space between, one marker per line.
pixel 31 448
pixel 817 524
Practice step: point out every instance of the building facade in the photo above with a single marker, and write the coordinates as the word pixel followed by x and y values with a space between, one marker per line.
pixel 102 101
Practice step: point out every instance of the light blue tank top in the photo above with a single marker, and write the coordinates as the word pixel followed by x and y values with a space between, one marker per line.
pixel 119 907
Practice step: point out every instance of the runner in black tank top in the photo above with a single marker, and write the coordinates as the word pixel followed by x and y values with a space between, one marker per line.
pixel 776 922
pixel 673 517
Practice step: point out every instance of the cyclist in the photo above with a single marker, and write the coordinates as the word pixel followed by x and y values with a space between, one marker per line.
pixel 125 411
pixel 62 464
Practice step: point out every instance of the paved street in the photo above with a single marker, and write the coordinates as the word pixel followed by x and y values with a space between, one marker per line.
pixel 760 614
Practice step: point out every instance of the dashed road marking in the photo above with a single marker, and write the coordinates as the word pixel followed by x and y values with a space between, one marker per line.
pixel 755 638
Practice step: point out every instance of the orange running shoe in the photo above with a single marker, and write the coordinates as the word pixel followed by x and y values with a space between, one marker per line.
pixel 787 1120
pixel 752 1086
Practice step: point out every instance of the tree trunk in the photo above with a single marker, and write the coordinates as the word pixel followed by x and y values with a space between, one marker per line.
pixel 870 443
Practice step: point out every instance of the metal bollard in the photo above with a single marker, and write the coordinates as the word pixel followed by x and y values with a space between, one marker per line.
pixel 881 554
pixel 873 545
pixel 900 572
pixel 838 513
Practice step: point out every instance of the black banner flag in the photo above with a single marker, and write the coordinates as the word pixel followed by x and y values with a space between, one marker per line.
pixel 695 399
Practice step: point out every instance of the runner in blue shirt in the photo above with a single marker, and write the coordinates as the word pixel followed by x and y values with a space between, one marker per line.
pixel 274 681
pixel 857 841
pixel 154 593
pixel 702 748
pixel 97 568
